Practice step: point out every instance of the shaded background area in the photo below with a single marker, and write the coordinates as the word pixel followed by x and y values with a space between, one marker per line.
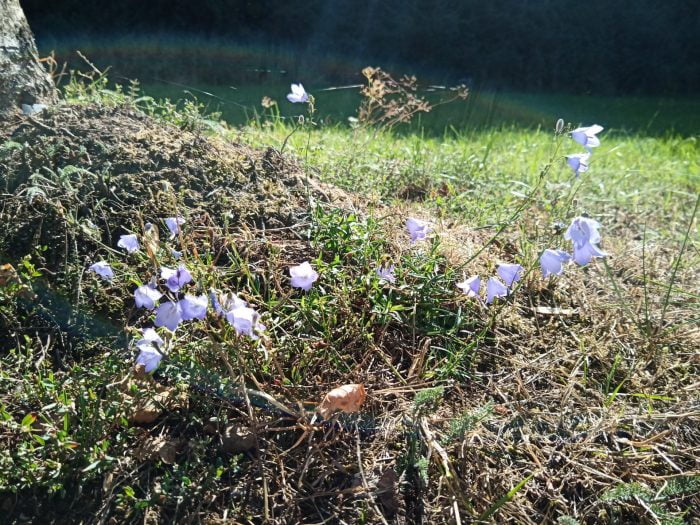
pixel 508 50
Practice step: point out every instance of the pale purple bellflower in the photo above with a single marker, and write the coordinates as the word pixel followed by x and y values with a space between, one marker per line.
pixel 175 279
pixel 298 94
pixel 303 276
pixel 552 262
pixel 173 224
pixel 147 297
pixel 417 229
pixel 578 162
pixel 129 242
pixel 194 307
pixel 169 314
pixel 495 288
pixel 245 321
pixel 103 269
pixel 583 232
pixel 510 273
pixel 386 273
pixel 470 286
pixel 150 338
pixel 149 357
pixel 225 302
pixel 586 136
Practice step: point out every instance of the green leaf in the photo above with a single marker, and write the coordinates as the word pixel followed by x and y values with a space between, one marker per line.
pixel 91 466
pixel 27 422
pixel 504 499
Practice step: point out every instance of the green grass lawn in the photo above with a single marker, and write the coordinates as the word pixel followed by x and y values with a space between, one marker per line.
pixel 483 110
pixel 573 400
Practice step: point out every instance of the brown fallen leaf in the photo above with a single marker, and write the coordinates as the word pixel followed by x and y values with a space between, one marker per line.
pixel 147 409
pixel 8 275
pixel 158 447
pixel 348 398
pixel 237 439
pixel 151 240
pixel 387 488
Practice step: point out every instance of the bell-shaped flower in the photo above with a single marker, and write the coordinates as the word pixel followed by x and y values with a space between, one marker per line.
pixel 225 302
pixel 103 269
pixel 495 288
pixel 149 357
pixel 417 229
pixel 510 273
pixel 175 279
pixel 33 109
pixel 586 136
pixel 386 273
pixel 176 254
pixel 150 338
pixel 578 162
pixel 303 276
pixel 173 224
pixel 470 286
pixel 169 314
pixel 129 242
pixel 298 94
pixel 245 321
pixel 194 307
pixel 583 232
pixel 147 296
pixel 584 253
pixel 552 262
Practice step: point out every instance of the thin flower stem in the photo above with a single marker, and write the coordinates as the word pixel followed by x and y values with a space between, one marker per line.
pixel 678 260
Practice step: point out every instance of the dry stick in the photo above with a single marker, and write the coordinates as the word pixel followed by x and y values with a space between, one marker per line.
pixel 445 460
pixel 253 419
pixel 364 479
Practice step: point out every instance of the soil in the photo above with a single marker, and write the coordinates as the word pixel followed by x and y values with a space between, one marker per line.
pixel 76 177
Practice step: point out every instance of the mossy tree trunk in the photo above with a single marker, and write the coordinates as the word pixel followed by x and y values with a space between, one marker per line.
pixel 23 80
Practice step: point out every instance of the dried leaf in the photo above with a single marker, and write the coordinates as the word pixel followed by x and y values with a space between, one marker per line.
pixel 347 398
pixel 8 275
pixel 387 492
pixel 237 439
pixel 147 410
pixel 546 310
pixel 158 447
pixel 151 240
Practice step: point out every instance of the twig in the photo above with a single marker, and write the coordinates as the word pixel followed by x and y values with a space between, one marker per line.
pixel 364 479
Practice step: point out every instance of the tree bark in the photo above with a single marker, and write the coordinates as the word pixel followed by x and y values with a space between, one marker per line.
pixel 23 79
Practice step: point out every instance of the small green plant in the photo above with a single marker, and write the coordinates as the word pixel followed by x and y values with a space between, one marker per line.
pixel 427 400
pixel 469 421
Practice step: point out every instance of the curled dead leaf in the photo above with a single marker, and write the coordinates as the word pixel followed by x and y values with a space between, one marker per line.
pixel 237 439
pixel 387 492
pixel 348 398
pixel 151 240
pixel 147 409
pixel 158 447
